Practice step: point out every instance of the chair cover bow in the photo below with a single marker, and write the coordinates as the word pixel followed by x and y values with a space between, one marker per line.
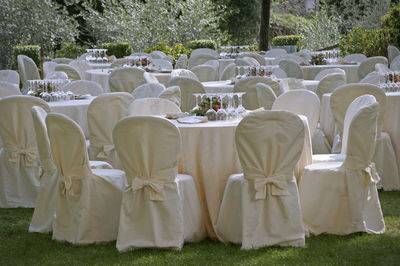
pixel 277 182
pixel 105 151
pixel 30 156
pixel 67 181
pixel 372 178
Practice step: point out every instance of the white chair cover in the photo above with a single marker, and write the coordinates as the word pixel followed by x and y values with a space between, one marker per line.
pixel 126 79
pixel 82 66
pixel 157 55
pixel 355 58
pixel 153 211
pixel 56 75
pixel 279 73
pixel 246 61
pixel 395 64
pixel 248 85
pixel 341 198
pixel 62 60
pixel 228 73
pixel 393 51
pixel 27 69
pixel 288 84
pixel 140 54
pixel 172 94
pixel 162 64
pixel 368 65
pixel 150 78
pixel 119 62
pixel 323 73
pixel 205 51
pixel 199 59
pixel 148 90
pixel 152 106
pixel 381 68
pixel 213 63
pixel 275 53
pixel 103 114
pixel 187 86
pixel 384 156
pixel 184 73
pixel 304 55
pixel 19 168
pixel 48 67
pixel 182 62
pixel 292 57
pixel 291 68
pixel 88 201
pixel 71 71
pixel 374 78
pixel 266 96
pixel 261 206
pixel 8 89
pixel 81 87
pixel 10 76
pixel 329 83
pixel 259 58
pixel 205 72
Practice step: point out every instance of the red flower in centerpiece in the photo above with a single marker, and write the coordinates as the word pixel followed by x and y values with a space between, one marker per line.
pixel 216 107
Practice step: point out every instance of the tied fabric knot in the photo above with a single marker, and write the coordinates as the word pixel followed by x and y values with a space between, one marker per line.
pixel 277 182
pixel 67 180
pixel 29 154
pixel 372 178
pixel 105 151
pixel 156 187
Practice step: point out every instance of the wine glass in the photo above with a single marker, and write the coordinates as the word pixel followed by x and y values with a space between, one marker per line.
pixel 221 113
pixel 211 113
pixel 240 109
pixel 230 110
pixel 197 107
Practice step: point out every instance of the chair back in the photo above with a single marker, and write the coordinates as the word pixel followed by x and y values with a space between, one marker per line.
pixel 119 62
pixel 292 57
pixel 275 53
pixel 246 61
pixel 150 78
pixel 126 79
pixel 329 83
pixel 395 64
pixel 82 87
pixel 374 78
pixel 291 68
pixel 393 51
pixel 248 85
pixel 62 60
pixel 368 65
pixel 157 55
pixel 48 67
pixel 323 73
pixel 81 66
pixel 260 59
pixel 71 71
pixel 10 76
pixel 27 69
pixel 199 59
pixel 163 64
pixel 182 62
pixel 184 73
pixel 343 96
pixel 279 73
pixel 152 106
pixel 148 90
pixel 355 58
pixel 228 72
pixel 56 75
pixel 172 94
pixel 266 96
pixel 8 89
pixel 205 51
pixel 188 87
pixel 205 73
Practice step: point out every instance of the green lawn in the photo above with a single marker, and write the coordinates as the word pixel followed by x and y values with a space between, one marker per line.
pixel 18 247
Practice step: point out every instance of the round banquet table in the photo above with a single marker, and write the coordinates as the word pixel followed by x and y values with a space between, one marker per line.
pixel 309 72
pixel 209 155
pixel 74 109
pixel 225 86
pixel 391 123
pixel 99 65
pixel 101 77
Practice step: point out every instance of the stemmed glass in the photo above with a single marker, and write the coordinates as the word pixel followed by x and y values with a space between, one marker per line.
pixel 197 107
pixel 230 110
pixel 211 113
pixel 240 109
pixel 221 113
pixel 45 95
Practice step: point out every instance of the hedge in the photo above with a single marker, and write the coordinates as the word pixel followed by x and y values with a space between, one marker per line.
pixel 70 50
pixel 119 49
pixel 286 40
pixel 32 51
pixel 202 44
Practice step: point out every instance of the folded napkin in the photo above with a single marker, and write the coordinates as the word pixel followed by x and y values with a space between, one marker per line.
pixel 193 119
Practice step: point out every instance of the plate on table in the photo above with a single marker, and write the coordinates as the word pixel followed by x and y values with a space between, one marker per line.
pixel 82 96
pixel 192 119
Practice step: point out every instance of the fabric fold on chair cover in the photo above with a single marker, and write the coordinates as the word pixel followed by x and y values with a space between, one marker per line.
pixel 152 106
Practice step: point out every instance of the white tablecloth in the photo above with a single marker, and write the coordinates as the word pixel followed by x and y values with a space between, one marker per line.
pixel 226 86
pixel 391 124
pixel 101 77
pixel 309 72
pixel 76 110
pixel 209 155
pixel 99 65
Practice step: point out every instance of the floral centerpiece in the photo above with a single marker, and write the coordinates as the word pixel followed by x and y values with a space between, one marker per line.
pixel 392 77
pixel 318 59
pixel 204 105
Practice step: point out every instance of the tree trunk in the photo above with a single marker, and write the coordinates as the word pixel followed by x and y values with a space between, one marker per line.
pixel 264 25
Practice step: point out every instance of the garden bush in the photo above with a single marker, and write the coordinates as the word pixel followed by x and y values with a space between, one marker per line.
pixel 367 41
pixel 286 24
pixel 391 22
pixel 32 51
pixel 70 50
pixel 202 44
pixel 119 49
pixel 286 40
pixel 175 51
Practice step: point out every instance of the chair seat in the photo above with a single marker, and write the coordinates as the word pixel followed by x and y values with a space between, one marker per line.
pixel 327 158
pixel 99 165
pixel 115 177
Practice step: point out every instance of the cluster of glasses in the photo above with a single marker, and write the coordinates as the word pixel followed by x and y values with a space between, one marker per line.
pixel 392 82
pixel 253 71
pixel 219 106
pixel 232 51
pixel 331 56
pixel 50 90
pixel 96 55
pixel 138 61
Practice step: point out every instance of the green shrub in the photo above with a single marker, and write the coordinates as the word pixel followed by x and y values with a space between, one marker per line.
pixel 286 40
pixel 368 42
pixel 176 51
pixel 286 24
pixel 119 49
pixel 70 50
pixel 391 21
pixel 32 51
pixel 202 44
